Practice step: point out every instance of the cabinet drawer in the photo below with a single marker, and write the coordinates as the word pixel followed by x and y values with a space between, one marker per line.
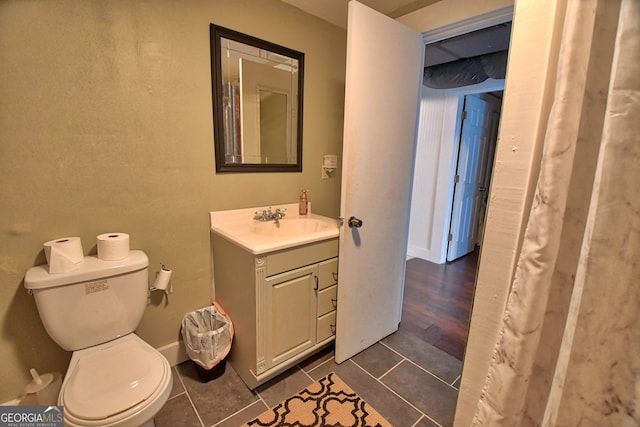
pixel 289 259
pixel 328 273
pixel 327 300
pixel 326 326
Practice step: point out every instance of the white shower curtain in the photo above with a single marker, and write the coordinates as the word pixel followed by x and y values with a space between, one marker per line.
pixel 569 347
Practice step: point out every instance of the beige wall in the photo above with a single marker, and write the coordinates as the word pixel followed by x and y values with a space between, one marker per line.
pixel 106 125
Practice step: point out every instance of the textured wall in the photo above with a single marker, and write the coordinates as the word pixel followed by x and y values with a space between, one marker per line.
pixel 106 125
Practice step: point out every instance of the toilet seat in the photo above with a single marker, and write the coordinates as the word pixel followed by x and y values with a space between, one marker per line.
pixel 115 383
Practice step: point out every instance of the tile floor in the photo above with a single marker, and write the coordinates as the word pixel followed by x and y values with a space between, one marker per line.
pixel 408 381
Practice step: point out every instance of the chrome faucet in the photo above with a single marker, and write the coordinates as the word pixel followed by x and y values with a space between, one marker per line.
pixel 279 214
pixel 268 215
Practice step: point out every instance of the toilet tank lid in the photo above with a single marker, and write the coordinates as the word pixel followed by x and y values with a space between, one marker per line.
pixel 92 268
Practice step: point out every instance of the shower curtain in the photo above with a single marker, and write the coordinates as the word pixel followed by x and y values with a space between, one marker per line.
pixel 568 352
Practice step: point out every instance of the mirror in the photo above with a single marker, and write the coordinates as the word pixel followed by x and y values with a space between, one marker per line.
pixel 257 103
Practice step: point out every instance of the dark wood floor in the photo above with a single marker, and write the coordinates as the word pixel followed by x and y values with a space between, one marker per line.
pixel 437 302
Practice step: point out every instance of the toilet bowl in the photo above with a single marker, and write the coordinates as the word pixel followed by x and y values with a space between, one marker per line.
pixel 124 382
pixel 114 378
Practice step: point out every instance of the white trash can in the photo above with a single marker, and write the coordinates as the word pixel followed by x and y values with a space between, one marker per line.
pixel 207 335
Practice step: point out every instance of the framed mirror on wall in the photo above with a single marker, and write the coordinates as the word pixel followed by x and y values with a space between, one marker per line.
pixel 257 103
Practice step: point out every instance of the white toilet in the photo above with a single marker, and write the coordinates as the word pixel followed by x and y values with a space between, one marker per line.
pixel 114 378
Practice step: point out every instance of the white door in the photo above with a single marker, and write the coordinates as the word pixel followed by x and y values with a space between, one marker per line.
pixel 383 79
pixel 479 126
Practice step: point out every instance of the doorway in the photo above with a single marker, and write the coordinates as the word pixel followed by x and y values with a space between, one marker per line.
pixel 442 231
pixel 437 149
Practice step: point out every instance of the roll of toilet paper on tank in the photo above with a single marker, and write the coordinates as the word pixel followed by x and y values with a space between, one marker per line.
pixel 63 254
pixel 113 246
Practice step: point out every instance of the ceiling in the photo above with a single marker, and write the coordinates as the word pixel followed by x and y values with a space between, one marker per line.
pixel 335 11
pixel 489 40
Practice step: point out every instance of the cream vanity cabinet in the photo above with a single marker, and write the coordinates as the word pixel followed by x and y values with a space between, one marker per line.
pixel 282 304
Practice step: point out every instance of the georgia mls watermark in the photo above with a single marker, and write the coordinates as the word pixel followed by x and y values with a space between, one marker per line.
pixel 31 416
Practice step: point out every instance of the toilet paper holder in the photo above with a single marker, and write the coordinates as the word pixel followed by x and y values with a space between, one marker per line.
pixel 163 281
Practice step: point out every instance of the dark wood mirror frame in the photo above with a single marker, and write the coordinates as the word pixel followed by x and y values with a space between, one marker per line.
pixel 218 33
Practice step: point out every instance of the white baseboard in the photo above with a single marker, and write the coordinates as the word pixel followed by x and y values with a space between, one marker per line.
pixel 418 252
pixel 14 402
pixel 174 352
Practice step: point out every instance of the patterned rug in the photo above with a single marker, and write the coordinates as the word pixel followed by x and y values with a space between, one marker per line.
pixel 327 402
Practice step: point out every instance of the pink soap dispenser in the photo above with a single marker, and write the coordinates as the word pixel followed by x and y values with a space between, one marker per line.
pixel 303 205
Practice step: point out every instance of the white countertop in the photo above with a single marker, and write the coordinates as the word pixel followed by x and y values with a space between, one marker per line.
pixel 259 237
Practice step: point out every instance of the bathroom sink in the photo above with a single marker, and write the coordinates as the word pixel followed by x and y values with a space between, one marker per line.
pixel 258 237
pixel 290 227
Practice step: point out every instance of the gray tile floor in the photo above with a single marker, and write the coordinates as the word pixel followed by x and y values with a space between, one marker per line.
pixel 408 381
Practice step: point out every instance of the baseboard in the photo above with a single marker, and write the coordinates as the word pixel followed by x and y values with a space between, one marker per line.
pixel 417 252
pixel 14 402
pixel 174 352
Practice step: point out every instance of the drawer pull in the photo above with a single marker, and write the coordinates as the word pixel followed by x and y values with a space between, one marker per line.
pixel 335 276
pixel 333 329
pixel 334 302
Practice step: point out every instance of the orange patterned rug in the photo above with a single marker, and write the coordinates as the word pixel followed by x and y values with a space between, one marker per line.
pixel 327 402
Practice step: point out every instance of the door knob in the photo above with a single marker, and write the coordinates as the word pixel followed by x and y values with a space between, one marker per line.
pixel 355 222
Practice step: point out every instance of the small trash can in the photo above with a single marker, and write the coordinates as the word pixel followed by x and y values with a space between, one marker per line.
pixel 207 335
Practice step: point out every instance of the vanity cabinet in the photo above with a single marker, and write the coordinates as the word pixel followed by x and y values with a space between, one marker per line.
pixel 282 304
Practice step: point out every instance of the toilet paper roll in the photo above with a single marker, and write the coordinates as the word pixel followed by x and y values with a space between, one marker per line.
pixel 163 279
pixel 113 246
pixel 63 254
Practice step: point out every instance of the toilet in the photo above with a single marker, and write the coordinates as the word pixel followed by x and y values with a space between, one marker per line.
pixel 114 377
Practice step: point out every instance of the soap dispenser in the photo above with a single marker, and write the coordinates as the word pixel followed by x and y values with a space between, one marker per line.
pixel 303 206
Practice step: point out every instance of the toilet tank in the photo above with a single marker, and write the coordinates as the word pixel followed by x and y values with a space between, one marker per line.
pixel 98 302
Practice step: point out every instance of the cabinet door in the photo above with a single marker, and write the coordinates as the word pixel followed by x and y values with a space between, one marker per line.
pixel 290 314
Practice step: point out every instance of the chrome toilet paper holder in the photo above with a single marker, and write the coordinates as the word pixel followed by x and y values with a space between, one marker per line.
pixel 163 281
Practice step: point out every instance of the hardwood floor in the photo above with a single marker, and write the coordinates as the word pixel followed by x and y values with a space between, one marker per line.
pixel 437 302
